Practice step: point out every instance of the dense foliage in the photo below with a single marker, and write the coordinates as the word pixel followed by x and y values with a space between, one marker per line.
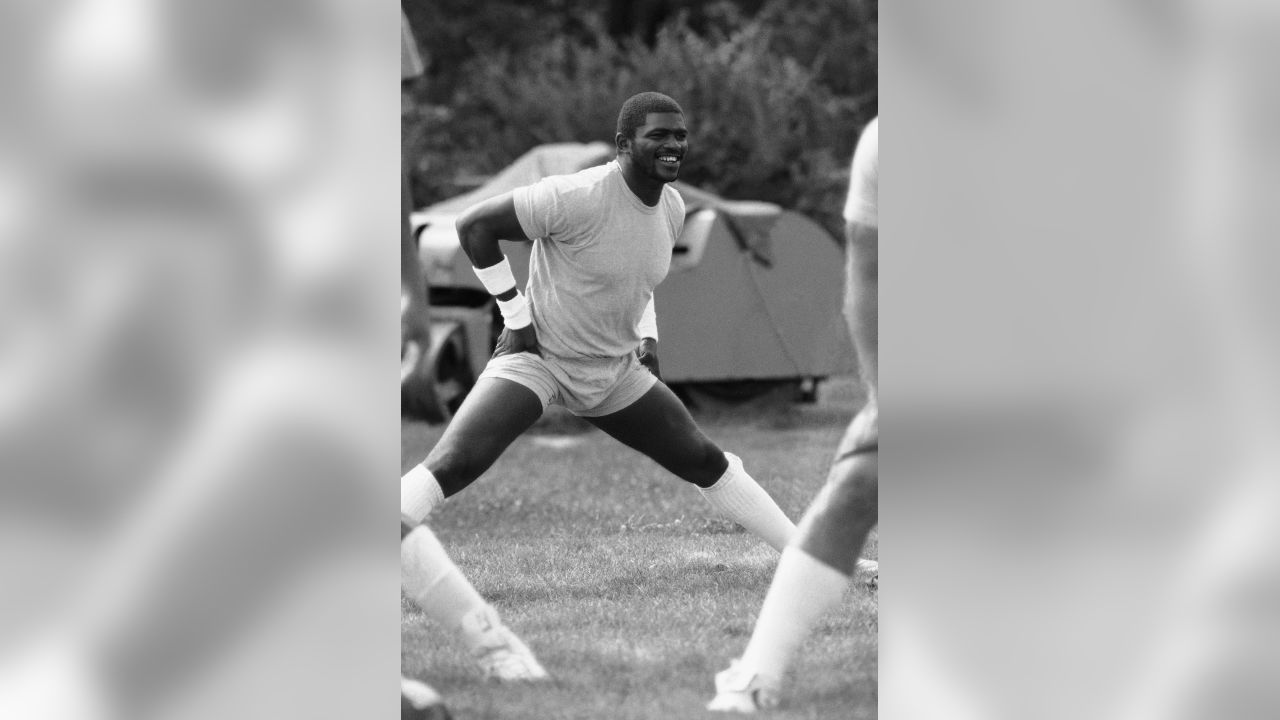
pixel 774 91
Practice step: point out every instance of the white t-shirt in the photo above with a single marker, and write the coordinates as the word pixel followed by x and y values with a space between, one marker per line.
pixel 864 179
pixel 598 253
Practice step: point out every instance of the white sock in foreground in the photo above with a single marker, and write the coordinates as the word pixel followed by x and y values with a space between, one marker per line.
pixel 434 582
pixel 420 493
pixel 741 499
pixel 803 590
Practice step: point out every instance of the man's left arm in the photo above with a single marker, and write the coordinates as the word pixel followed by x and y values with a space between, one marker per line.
pixel 647 353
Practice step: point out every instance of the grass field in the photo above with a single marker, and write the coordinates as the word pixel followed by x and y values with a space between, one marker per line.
pixel 618 576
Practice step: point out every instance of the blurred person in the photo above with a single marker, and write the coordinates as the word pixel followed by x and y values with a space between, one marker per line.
pixel 817 565
pixel 586 337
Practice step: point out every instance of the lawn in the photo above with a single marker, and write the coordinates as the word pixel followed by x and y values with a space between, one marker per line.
pixel 618 576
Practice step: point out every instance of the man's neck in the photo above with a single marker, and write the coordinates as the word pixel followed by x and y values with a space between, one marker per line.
pixel 647 189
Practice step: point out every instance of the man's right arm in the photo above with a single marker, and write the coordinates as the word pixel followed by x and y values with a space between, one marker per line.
pixel 482 225
pixel 480 228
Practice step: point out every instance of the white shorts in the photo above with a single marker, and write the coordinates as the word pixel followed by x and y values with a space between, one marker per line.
pixel 587 387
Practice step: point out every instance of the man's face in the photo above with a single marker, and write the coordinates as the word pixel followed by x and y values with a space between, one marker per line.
pixel 659 146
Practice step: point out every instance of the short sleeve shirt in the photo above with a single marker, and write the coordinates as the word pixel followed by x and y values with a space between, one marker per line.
pixel 598 253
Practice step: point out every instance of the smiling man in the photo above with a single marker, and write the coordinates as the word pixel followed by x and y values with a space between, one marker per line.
pixel 585 337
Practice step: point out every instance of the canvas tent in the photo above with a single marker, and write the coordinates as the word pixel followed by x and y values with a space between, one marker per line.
pixel 754 291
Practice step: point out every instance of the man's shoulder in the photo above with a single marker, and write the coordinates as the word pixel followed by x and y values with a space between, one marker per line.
pixel 585 179
pixel 672 198
pixel 584 184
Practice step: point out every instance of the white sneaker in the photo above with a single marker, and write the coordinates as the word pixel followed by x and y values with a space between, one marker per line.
pixel 870 571
pixel 501 655
pixel 419 701
pixel 741 690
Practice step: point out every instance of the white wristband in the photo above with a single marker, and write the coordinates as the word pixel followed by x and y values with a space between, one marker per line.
pixel 648 327
pixel 497 279
pixel 515 312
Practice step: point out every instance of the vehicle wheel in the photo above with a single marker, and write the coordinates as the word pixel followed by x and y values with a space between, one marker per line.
pixel 437 387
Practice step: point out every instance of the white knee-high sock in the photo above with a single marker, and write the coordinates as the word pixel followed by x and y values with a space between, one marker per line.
pixel 420 493
pixel 741 499
pixel 434 582
pixel 803 590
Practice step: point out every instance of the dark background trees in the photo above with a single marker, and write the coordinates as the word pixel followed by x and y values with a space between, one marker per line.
pixel 775 90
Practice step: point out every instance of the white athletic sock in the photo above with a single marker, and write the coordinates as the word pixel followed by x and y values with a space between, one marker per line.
pixel 434 582
pixel 741 499
pixel 420 493
pixel 803 590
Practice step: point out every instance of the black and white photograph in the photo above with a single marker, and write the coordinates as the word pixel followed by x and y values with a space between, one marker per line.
pixel 641 326
pixel 642 314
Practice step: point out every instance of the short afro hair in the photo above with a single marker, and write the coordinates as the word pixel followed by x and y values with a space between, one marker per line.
pixel 637 108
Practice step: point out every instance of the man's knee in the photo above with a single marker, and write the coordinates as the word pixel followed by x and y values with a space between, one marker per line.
pixel 855 481
pixel 848 499
pixel 707 464
pixel 835 527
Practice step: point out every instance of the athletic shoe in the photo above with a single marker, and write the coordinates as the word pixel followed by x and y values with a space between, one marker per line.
pixel 740 690
pixel 501 655
pixel 418 701
pixel 870 571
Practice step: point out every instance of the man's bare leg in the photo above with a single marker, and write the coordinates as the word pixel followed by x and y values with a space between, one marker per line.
pixel 660 426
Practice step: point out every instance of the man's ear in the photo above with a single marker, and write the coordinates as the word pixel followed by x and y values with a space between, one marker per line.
pixel 622 143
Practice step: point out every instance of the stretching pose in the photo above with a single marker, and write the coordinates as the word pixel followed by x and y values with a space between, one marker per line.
pixel 583 334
